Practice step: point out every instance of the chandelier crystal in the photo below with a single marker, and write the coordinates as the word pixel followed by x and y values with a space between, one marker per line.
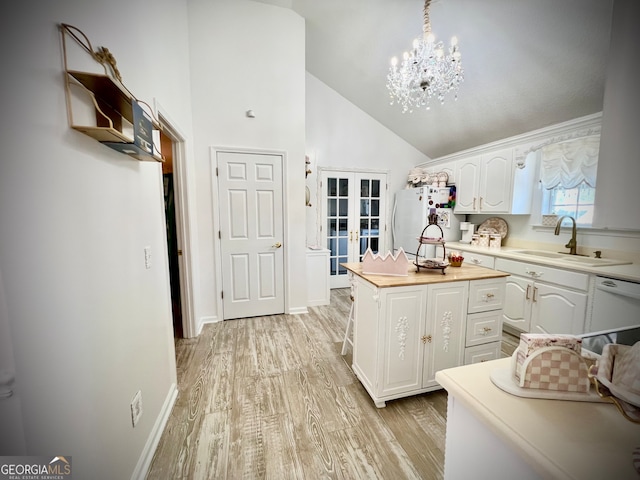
pixel 426 71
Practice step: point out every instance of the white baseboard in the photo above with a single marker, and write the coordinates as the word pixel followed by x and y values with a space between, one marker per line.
pixel 298 310
pixel 144 461
pixel 203 321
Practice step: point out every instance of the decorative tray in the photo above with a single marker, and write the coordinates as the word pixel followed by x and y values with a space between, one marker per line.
pixel 495 225
pixel 432 263
pixel 431 240
pixel 504 379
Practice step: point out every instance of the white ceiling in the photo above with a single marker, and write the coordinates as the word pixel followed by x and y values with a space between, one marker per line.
pixel 528 63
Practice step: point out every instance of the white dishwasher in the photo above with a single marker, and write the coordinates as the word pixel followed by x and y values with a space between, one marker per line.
pixel 616 304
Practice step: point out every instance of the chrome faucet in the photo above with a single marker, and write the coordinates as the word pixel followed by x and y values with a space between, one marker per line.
pixel 573 244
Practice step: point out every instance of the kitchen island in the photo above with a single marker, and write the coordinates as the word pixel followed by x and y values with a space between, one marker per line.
pixel 406 328
pixel 493 434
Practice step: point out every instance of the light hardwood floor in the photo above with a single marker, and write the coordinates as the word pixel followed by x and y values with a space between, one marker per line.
pixel 271 397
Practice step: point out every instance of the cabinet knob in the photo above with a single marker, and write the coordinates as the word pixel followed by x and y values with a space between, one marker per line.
pixel 485 331
pixel 533 273
pixel 489 296
pixel 426 339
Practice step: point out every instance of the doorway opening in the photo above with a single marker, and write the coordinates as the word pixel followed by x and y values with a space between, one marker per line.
pixel 172 235
pixel 178 231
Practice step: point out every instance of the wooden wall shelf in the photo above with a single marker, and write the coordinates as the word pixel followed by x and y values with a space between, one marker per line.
pixel 119 116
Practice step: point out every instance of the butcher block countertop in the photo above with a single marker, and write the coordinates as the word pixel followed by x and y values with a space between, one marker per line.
pixel 424 277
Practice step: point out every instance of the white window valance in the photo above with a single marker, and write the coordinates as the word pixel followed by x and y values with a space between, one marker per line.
pixel 570 163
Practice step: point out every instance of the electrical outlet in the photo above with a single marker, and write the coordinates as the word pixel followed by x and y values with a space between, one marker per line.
pixel 147 257
pixel 136 408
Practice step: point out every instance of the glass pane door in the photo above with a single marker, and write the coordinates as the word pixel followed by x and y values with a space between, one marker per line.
pixel 353 218
pixel 369 216
pixel 337 205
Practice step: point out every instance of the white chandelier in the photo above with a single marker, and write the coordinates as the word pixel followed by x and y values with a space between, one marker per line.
pixel 426 71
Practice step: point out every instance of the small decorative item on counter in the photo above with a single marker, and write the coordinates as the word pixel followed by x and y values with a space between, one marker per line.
pixel 455 259
pixel 617 378
pixel 495 241
pixel 475 239
pixel 387 264
pixel 550 362
pixel 483 240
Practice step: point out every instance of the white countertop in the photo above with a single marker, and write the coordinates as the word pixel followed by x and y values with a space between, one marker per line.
pixel 630 272
pixel 559 439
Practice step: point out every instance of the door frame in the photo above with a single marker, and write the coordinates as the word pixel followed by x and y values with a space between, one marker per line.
pixel 183 197
pixel 215 208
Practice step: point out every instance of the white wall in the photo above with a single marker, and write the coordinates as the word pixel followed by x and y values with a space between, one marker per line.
pixel 248 55
pixel 90 325
pixel 616 194
pixel 341 135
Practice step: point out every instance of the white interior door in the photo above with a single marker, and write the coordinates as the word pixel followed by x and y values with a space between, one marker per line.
pixel 354 218
pixel 251 234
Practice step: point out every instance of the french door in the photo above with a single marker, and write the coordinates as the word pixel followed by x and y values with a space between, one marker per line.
pixel 353 213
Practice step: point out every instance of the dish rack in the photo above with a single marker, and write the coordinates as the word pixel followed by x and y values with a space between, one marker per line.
pixel 424 240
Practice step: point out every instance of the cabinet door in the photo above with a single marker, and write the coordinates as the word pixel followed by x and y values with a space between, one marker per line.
pixel 496 182
pixel 467 177
pixel 517 303
pixel 366 332
pixel 402 350
pixel 444 335
pixel 353 212
pixel 557 310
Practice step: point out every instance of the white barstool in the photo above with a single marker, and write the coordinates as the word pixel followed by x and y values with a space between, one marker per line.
pixel 347 334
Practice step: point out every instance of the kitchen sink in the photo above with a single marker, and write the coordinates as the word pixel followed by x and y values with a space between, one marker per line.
pixel 576 259
pixel 539 253
pixel 592 261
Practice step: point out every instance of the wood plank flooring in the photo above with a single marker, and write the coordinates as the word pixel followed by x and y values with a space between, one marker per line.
pixel 271 397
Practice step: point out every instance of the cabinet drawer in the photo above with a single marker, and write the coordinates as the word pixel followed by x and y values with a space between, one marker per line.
pixel 483 328
pixel 482 353
pixel 474 258
pixel 542 273
pixel 485 295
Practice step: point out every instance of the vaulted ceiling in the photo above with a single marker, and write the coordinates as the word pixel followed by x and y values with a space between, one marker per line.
pixel 528 63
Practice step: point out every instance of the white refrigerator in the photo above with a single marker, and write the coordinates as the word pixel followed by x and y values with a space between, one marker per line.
pixel 411 210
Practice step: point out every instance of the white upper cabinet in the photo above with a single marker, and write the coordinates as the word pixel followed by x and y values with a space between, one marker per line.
pixel 467 185
pixel 496 182
pixel 492 183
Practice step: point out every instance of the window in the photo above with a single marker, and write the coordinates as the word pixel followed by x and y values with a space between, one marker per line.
pixel 576 202
pixel 568 175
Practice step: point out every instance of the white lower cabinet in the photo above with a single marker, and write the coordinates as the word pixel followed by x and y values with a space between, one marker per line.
pixel 318 289
pixel 557 304
pixel 404 335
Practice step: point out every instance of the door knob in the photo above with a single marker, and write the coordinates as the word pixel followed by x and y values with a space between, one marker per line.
pixel 277 245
